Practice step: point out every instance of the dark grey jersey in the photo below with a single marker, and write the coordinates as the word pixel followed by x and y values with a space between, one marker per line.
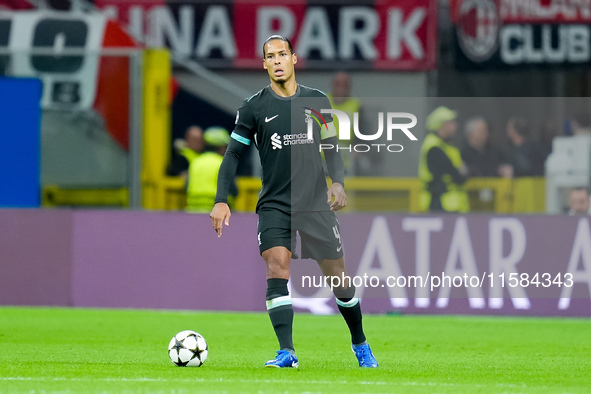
pixel 293 175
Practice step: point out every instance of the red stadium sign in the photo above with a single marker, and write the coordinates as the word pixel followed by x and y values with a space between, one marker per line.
pixel 389 34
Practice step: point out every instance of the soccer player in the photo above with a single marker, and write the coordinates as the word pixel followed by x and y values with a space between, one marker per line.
pixel 292 199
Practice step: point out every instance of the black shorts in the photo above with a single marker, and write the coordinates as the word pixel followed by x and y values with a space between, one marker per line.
pixel 320 233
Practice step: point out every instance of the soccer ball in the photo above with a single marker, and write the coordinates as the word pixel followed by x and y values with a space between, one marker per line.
pixel 187 349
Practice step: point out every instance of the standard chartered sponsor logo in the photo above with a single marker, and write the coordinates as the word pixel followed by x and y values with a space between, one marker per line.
pixel 296 139
pixel 276 141
pixel 289 139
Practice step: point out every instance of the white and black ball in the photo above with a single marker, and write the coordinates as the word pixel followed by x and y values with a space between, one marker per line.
pixel 188 349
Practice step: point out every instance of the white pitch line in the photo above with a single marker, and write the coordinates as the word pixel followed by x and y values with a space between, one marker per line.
pixel 282 381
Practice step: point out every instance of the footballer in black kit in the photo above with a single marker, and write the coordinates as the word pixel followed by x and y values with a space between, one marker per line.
pixel 295 197
pixel 294 183
pixel 266 120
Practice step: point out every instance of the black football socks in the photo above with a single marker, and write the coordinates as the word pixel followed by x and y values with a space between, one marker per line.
pixel 351 311
pixel 280 312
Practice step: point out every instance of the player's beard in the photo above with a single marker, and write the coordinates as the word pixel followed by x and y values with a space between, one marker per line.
pixel 282 79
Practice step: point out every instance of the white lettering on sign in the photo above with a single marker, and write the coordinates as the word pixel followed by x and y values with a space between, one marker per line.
pixel 574 10
pixel 517 45
pixel 316 35
pixel 506 264
pixel 400 32
pixel 423 227
pixel 351 37
pixel 581 253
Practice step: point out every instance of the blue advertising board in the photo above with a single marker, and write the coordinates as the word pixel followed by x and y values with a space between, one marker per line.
pixel 20 145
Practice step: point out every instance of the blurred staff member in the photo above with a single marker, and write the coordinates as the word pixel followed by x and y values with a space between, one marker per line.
pixel 579 202
pixel 482 160
pixel 525 154
pixel 185 150
pixel 441 169
pixel 203 171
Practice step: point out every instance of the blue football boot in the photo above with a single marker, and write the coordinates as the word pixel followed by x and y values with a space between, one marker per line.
pixel 365 356
pixel 284 359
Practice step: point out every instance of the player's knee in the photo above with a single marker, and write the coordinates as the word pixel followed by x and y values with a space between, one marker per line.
pixel 333 268
pixel 277 260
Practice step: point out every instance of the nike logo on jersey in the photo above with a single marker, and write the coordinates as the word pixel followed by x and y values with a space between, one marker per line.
pixel 267 120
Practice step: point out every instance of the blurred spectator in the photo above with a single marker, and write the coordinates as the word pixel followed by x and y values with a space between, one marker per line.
pixel 481 159
pixel 203 171
pixel 581 123
pixel 525 155
pixel 441 169
pixel 548 132
pixel 340 98
pixel 579 202
pixel 341 92
pixel 185 150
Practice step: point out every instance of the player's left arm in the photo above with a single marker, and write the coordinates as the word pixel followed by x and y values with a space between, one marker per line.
pixel 336 196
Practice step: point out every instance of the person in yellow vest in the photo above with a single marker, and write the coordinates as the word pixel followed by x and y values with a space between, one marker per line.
pixel 441 169
pixel 185 150
pixel 340 99
pixel 203 171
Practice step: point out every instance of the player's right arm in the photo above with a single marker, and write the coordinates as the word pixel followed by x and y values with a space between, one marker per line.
pixel 239 143
pixel 220 214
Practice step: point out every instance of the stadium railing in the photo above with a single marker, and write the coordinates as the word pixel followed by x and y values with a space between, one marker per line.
pixel 54 196
pixel 498 195
pixel 365 194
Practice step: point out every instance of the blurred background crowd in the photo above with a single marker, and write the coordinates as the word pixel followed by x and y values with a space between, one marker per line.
pixel 138 98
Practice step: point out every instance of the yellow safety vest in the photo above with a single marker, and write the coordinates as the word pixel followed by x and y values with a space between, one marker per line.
pixel 455 199
pixel 189 154
pixel 349 106
pixel 202 181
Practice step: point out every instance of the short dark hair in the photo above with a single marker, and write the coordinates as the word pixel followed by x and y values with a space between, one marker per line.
pixel 580 189
pixel 520 125
pixel 277 37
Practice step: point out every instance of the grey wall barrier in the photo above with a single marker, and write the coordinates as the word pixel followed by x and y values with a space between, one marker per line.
pixel 475 264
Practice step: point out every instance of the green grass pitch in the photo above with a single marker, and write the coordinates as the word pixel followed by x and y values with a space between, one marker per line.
pixel 100 350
